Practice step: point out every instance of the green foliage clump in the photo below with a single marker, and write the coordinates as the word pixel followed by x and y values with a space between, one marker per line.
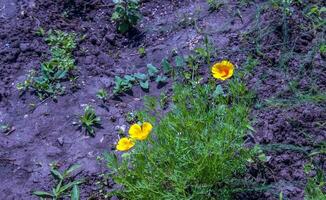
pixel 6 128
pixel 283 5
pixel 89 120
pixel 63 186
pixel 102 94
pixel 125 83
pixel 196 151
pixel 322 48
pixel 215 4
pixel 315 14
pixel 315 187
pixel 142 51
pixel 126 14
pixel 47 81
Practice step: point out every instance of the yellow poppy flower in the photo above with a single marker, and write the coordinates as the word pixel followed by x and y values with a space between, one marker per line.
pixel 140 132
pixel 124 144
pixel 223 70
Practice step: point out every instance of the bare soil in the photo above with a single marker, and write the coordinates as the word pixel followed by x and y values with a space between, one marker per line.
pixel 44 133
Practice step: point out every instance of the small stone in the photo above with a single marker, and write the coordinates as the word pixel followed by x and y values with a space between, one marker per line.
pixel 121 105
pixel 61 140
pixel 121 128
pixel 110 37
pixel 24 47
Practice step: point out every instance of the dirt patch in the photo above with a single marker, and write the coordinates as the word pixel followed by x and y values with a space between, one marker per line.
pixel 44 133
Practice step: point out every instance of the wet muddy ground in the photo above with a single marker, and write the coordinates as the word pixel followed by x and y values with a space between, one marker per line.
pixel 42 132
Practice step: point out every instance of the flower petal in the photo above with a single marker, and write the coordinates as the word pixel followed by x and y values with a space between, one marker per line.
pixel 124 144
pixel 228 64
pixel 146 128
pixel 215 68
pixel 222 70
pixel 135 131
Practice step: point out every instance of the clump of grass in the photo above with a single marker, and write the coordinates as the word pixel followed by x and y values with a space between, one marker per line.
pixel 215 4
pixel 89 120
pixel 315 187
pixel 63 187
pixel 102 95
pixel 47 81
pixel 196 151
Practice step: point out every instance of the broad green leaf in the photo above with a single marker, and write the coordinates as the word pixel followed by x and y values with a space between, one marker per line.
pixel 56 174
pixel 123 28
pixel 201 52
pixel 60 74
pixel 161 79
pixel 322 9
pixel 152 70
pixel 129 78
pixel 75 193
pixel 115 16
pixel 179 61
pixel 140 76
pixel 166 66
pixel 117 79
pixel 144 84
pixel 218 91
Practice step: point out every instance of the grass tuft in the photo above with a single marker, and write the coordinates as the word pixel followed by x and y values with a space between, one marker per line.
pixel 196 151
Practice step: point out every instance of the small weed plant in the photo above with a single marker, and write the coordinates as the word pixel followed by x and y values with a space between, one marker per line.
pixel 126 14
pixel 89 120
pixel 205 52
pixel 322 49
pixel 315 187
pixel 47 81
pixel 215 4
pixel 102 95
pixel 283 5
pixel 315 14
pixel 65 187
pixel 196 151
pixel 125 83
pixel 142 52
